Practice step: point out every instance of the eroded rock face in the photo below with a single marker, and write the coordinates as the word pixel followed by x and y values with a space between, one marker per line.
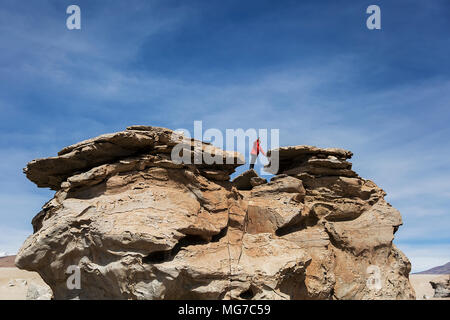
pixel 441 287
pixel 140 225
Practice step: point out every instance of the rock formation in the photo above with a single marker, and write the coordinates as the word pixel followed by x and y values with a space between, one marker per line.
pixel 140 225
pixel 441 287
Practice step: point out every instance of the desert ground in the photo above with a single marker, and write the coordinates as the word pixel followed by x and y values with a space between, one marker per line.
pixel 15 283
pixel 422 286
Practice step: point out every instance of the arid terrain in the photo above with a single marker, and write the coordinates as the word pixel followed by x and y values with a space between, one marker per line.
pixel 422 286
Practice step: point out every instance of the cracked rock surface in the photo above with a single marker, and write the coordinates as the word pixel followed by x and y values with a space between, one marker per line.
pixel 142 226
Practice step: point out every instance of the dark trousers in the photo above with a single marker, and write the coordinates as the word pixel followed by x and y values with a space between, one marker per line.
pixel 253 160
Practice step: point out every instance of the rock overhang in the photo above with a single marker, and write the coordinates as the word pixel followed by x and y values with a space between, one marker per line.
pixel 135 141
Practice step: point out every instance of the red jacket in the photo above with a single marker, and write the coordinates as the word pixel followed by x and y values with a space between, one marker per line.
pixel 257 148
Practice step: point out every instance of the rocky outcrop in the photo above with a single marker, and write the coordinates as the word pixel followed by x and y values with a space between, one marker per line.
pixel 441 287
pixel 139 225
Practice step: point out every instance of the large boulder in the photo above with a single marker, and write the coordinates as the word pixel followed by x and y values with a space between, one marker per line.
pixel 441 287
pixel 296 160
pixel 137 224
pixel 244 180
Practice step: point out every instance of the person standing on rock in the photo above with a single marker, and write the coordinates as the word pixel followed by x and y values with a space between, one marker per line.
pixel 255 152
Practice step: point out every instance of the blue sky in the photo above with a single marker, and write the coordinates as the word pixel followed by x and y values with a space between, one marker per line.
pixel 311 69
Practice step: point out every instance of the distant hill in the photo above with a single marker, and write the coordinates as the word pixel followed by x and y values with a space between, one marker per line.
pixel 7 262
pixel 444 269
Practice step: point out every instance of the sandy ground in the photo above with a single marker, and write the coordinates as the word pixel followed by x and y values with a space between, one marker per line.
pixel 14 283
pixel 422 286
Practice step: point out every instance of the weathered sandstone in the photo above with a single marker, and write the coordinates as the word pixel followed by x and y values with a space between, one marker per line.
pixel 142 226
